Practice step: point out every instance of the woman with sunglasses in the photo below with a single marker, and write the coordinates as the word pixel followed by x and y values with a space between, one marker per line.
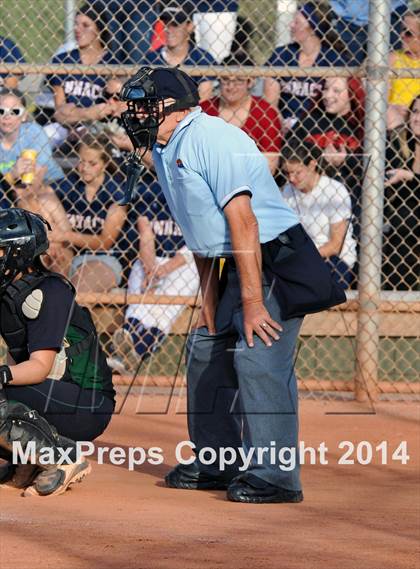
pixel 17 134
pixel 404 90
pixel 252 114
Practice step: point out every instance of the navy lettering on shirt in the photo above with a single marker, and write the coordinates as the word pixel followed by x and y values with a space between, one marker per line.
pixel 81 90
pixel 84 216
pixel 92 224
pixel 152 204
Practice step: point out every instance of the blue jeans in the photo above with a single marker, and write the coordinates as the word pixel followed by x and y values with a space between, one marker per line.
pixel 240 396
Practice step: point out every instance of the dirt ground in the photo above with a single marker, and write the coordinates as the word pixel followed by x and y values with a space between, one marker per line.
pixel 353 516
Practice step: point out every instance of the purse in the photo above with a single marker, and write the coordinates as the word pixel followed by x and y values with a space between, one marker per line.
pixel 301 280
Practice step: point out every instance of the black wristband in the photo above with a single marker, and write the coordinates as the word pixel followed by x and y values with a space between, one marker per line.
pixel 5 375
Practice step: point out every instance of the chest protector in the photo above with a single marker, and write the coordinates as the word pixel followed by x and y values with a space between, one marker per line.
pixel 81 359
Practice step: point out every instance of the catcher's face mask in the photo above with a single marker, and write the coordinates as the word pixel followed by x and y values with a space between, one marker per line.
pixel 147 107
pixel 149 102
pixel 142 118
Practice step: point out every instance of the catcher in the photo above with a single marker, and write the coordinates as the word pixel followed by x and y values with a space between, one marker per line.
pixel 56 388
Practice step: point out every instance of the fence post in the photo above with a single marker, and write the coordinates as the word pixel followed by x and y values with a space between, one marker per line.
pixel 367 349
pixel 70 13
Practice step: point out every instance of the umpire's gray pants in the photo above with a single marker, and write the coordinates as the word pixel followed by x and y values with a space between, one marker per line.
pixel 244 397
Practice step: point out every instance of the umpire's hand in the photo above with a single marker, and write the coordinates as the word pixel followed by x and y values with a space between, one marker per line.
pixel 257 320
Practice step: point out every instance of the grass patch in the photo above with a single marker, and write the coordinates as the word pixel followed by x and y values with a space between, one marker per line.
pixel 36 26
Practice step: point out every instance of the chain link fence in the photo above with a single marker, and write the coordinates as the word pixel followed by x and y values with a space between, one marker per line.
pixel 328 91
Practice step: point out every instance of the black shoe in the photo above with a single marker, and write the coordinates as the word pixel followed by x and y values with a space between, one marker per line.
pixel 253 490
pixel 189 477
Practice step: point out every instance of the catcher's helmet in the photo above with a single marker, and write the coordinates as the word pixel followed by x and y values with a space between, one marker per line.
pixel 145 91
pixel 23 237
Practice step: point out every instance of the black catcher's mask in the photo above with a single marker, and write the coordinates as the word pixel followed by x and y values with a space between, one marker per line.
pixel 145 94
pixel 23 237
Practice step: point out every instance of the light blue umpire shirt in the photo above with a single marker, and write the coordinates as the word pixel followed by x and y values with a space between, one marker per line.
pixel 207 162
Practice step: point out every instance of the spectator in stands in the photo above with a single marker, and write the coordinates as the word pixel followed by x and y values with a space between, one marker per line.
pixel 180 47
pixel 394 118
pixel 252 114
pixel 334 123
pixel 9 53
pixel 314 45
pixel 111 124
pixel 350 19
pixel 403 90
pixel 136 28
pixel 401 269
pixel 323 206
pixel 76 94
pixel 18 133
pixel 90 220
pixel 165 267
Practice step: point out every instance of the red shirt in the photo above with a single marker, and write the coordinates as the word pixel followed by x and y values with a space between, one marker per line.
pixel 262 125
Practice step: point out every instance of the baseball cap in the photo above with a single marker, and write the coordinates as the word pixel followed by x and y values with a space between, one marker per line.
pixel 149 85
pixel 172 83
pixel 177 12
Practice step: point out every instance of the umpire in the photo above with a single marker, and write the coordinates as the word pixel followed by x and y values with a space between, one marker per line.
pixel 242 388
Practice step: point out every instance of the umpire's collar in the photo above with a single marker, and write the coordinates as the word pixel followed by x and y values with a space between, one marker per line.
pixel 185 122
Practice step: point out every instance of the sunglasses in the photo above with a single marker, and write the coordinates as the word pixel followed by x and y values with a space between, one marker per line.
pixel 12 111
pixel 110 96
